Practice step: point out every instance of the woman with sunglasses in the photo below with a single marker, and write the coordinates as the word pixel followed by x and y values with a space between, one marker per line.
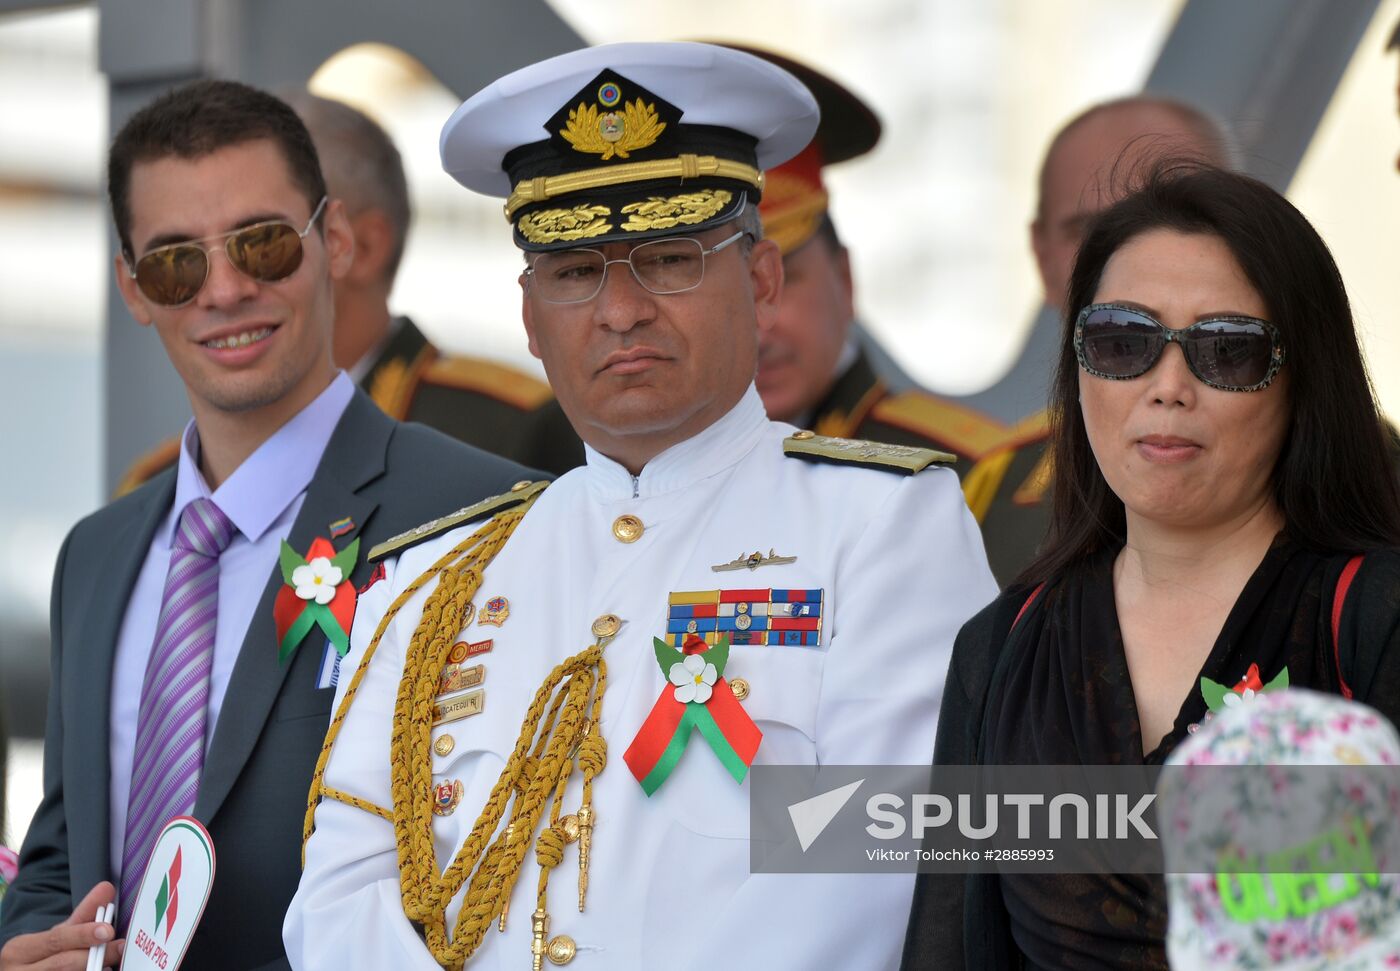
pixel 1224 515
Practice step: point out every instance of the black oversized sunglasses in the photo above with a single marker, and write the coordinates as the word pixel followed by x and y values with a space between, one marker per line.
pixel 1230 353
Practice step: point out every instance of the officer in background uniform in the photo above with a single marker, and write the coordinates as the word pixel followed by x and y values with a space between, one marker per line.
pixel 1088 166
pixel 812 369
pixel 476 401
pixel 502 780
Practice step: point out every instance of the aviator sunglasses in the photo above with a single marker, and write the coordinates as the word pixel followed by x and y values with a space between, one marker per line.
pixel 1229 353
pixel 267 252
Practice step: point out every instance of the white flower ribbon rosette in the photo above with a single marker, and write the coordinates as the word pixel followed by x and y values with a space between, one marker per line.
pixel 694 679
pixel 317 580
pixel 1236 698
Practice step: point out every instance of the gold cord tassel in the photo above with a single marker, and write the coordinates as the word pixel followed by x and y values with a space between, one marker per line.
pixel 592 759
pixel 533 774
pixel 555 724
pixel 585 843
pixel 539 923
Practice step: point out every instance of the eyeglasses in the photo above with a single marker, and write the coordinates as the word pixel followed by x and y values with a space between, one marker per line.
pixel 662 266
pixel 1229 353
pixel 271 251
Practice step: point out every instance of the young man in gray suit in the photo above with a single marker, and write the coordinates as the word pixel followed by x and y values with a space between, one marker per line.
pixel 182 683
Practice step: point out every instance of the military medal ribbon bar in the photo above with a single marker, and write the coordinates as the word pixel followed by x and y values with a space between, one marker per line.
pixel 753 617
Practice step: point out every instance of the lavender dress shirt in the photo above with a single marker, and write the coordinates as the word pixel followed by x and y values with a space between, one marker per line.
pixel 262 498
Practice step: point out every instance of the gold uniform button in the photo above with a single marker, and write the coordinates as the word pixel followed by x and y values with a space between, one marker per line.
pixel 444 745
pixel 628 529
pixel 607 625
pixel 740 687
pixel 522 484
pixel 805 434
pixel 561 949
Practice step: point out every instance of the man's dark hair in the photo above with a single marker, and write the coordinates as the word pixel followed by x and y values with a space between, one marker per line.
pixel 203 117
pixel 1333 481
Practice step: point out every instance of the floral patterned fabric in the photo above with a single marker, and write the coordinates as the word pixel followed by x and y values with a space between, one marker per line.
pixel 1243 921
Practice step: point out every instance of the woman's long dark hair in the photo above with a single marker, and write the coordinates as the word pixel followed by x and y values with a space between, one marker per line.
pixel 1334 480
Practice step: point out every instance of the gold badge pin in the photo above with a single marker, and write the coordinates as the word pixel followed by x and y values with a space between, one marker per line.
pixel 458 654
pixel 462 706
pixel 495 612
pixel 480 647
pixel 607 625
pixel 628 528
pixel 446 797
pixel 740 687
pixel 444 745
pixel 457 678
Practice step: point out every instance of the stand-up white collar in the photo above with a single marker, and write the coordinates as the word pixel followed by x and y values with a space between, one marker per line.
pixel 717 448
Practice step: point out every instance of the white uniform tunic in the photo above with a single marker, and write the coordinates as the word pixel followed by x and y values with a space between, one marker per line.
pixel 901 567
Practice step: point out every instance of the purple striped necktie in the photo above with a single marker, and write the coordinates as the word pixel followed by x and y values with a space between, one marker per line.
pixel 170 727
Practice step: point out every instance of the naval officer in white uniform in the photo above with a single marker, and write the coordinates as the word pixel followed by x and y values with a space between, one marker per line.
pixel 547 688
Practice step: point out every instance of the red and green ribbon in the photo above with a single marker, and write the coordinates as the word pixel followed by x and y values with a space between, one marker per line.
pixel 1214 692
pixel 721 721
pixel 295 617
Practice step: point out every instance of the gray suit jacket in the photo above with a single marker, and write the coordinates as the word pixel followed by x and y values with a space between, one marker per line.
pixel 387 477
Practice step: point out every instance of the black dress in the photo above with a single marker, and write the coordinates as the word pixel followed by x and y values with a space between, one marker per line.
pixel 1055 690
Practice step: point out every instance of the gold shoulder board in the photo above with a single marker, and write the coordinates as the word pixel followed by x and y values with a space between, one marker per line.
pixel 944 422
pixel 872 455
pixel 520 492
pixel 505 384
